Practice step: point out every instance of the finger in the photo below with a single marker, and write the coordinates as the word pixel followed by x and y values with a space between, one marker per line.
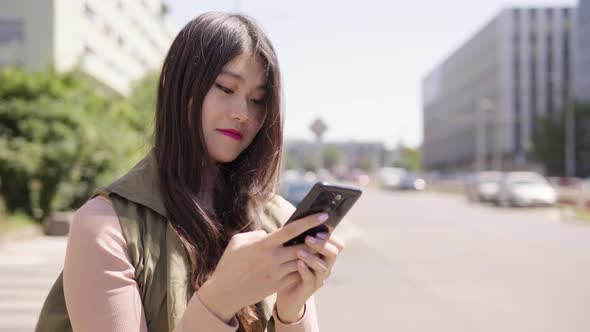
pixel 287 268
pixel 285 254
pixel 326 249
pixel 295 228
pixel 289 280
pixel 305 274
pixel 317 265
pixel 332 239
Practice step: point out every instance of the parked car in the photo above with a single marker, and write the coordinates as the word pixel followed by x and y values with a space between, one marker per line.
pixel 525 189
pixel 390 177
pixel 359 176
pixel 294 189
pixel 586 185
pixel 483 186
pixel 412 181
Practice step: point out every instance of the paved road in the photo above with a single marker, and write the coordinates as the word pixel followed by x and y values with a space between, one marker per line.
pixel 433 262
pixel 413 262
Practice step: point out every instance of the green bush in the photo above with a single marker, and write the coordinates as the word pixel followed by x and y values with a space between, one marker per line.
pixel 549 141
pixel 60 139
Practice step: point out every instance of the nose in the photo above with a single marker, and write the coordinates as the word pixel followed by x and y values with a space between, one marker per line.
pixel 240 111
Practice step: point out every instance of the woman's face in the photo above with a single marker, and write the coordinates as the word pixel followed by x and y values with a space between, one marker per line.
pixel 234 108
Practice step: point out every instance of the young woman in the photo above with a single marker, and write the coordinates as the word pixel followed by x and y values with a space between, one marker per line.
pixel 191 238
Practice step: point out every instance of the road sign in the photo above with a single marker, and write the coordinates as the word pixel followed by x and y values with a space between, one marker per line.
pixel 318 127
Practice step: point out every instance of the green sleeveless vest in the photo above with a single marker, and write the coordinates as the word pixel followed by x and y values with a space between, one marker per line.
pixel 162 268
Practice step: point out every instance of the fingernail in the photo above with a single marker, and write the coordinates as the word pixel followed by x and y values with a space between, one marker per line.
pixel 310 239
pixel 303 253
pixel 322 236
pixel 323 217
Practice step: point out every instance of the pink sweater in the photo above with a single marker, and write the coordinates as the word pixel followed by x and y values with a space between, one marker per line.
pixel 101 292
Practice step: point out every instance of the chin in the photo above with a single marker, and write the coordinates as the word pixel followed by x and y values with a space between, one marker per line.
pixel 225 158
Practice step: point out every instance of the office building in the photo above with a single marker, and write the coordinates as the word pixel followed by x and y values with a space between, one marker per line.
pixel 582 77
pixel 480 103
pixel 114 42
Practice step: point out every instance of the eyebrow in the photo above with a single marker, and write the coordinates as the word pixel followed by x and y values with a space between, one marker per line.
pixel 238 77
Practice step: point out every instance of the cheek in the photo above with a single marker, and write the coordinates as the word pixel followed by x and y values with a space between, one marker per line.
pixel 258 126
pixel 260 118
pixel 211 107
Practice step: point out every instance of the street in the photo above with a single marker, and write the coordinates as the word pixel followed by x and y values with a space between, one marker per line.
pixel 434 262
pixel 414 261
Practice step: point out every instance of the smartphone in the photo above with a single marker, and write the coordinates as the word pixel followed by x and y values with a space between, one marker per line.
pixel 335 200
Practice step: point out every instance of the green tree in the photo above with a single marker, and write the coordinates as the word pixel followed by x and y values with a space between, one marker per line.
pixel 309 159
pixel 289 162
pixel 60 139
pixel 409 158
pixel 332 156
pixel 143 100
pixel 549 141
pixel 367 163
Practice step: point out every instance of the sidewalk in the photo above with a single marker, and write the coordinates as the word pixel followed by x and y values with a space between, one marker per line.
pixel 29 267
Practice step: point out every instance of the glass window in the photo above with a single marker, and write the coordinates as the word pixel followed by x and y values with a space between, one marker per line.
pixel 11 30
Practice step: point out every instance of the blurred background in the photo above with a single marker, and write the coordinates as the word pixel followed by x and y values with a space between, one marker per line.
pixel 466 124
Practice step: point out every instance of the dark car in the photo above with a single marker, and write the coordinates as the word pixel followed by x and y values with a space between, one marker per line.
pixel 411 181
pixel 294 189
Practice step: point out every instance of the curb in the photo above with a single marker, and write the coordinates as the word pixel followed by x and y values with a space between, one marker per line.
pixel 569 215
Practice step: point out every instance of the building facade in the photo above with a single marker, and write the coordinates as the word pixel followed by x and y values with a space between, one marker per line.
pixel 480 104
pixel 114 42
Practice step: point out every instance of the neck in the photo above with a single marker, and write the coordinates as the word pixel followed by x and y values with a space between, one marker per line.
pixel 205 194
pixel 208 178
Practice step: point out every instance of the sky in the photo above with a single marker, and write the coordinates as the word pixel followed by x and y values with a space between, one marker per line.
pixel 358 65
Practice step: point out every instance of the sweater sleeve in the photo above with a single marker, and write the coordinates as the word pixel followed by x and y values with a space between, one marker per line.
pixel 99 280
pixel 307 323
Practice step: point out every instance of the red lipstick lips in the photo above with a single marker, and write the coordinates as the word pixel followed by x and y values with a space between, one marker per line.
pixel 232 133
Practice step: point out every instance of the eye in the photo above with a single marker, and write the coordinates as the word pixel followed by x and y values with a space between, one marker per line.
pixel 259 101
pixel 224 89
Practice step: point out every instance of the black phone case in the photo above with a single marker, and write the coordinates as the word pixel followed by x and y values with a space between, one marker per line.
pixel 335 200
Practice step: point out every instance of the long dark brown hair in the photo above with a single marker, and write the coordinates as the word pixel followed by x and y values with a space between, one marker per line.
pixel 242 186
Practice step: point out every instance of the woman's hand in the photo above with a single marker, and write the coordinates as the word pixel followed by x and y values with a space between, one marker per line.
pixel 253 266
pixel 314 267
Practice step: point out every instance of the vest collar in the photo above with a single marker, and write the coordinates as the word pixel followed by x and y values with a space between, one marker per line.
pixel 141 185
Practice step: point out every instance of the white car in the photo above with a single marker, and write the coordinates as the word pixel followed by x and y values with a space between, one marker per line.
pixel 483 186
pixel 390 177
pixel 525 189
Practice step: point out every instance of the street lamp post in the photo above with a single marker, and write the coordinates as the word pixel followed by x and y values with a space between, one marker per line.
pixel 570 135
pixel 318 127
pixel 497 157
pixel 483 107
pixel 569 118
